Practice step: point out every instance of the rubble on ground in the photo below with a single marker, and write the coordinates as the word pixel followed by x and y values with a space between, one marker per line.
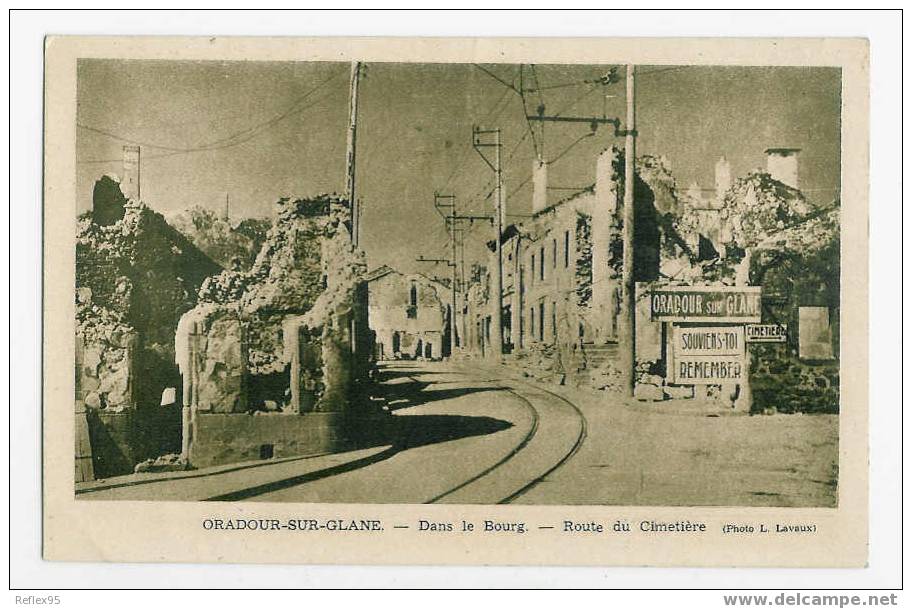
pixel 166 463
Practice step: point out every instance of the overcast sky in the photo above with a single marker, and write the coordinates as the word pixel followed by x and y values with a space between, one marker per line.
pixel 263 130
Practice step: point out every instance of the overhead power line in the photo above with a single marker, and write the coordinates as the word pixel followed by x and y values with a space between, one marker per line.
pixel 497 78
pixel 234 139
pixel 465 155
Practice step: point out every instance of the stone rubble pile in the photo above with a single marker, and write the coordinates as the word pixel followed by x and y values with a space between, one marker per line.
pixel 305 276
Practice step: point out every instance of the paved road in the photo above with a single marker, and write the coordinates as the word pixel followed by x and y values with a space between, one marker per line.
pixel 457 434
pixel 463 436
pixel 471 435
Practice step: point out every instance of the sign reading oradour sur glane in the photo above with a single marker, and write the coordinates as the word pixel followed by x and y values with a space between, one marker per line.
pixel 708 355
pixel 722 304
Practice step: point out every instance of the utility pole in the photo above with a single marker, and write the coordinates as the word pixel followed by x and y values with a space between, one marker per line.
pixel 499 217
pixel 451 220
pixel 452 265
pixel 351 147
pixel 628 287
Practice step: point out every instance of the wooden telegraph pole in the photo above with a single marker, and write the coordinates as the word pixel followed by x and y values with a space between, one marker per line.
pixel 499 214
pixel 453 221
pixel 450 219
pixel 351 146
pixel 628 287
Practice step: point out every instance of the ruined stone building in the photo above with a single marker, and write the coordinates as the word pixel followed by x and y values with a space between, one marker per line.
pixel 562 267
pixel 286 341
pixel 234 245
pixel 175 353
pixel 560 301
pixel 135 277
pixel 408 315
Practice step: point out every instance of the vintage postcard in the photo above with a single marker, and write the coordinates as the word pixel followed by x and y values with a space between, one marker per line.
pixel 456 301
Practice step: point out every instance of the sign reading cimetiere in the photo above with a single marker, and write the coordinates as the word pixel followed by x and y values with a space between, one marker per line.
pixel 723 304
pixel 766 333
pixel 708 355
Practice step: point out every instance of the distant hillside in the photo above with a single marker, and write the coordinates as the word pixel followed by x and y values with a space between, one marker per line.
pixel 233 246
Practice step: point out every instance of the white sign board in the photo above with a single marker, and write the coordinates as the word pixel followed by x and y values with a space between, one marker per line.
pixel 766 333
pixel 708 355
pixel 706 304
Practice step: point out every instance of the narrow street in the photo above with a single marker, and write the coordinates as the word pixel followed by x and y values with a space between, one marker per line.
pixel 461 434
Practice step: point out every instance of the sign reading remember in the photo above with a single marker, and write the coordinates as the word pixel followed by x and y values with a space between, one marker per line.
pixel 724 304
pixel 708 355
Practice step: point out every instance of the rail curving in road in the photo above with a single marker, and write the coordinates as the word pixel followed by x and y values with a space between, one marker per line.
pixel 557 456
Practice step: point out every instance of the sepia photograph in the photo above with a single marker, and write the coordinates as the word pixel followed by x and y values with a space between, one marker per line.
pixel 402 282
pixel 319 301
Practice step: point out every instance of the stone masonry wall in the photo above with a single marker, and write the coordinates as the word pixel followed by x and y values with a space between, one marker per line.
pixel 289 337
pixel 135 277
pixel 232 438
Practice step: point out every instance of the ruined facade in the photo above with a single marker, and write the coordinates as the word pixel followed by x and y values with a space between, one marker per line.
pixel 135 277
pixel 408 315
pixel 288 337
pixel 561 280
pixel 562 271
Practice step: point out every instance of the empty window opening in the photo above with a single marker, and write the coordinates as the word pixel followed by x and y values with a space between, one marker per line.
pixel 554 321
pixel 541 264
pixel 541 321
pixel 412 309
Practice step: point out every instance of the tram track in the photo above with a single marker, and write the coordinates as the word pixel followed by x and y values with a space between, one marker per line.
pixel 564 457
pixel 581 438
pixel 516 449
pixel 542 450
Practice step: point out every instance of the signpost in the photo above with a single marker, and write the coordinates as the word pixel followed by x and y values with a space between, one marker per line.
pixel 766 333
pixel 708 355
pixel 717 304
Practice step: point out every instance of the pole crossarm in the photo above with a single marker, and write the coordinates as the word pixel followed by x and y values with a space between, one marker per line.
pixel 435 260
pixel 479 145
pixel 592 121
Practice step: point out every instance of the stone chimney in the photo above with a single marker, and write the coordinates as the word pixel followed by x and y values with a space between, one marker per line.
pixel 723 177
pixel 782 165
pixel 129 184
pixel 539 185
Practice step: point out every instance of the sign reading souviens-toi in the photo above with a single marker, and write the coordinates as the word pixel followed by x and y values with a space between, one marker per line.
pixel 722 304
pixel 708 355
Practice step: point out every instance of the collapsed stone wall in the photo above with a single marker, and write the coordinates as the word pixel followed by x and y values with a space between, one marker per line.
pixel 300 311
pixel 798 266
pixel 792 250
pixel 135 277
